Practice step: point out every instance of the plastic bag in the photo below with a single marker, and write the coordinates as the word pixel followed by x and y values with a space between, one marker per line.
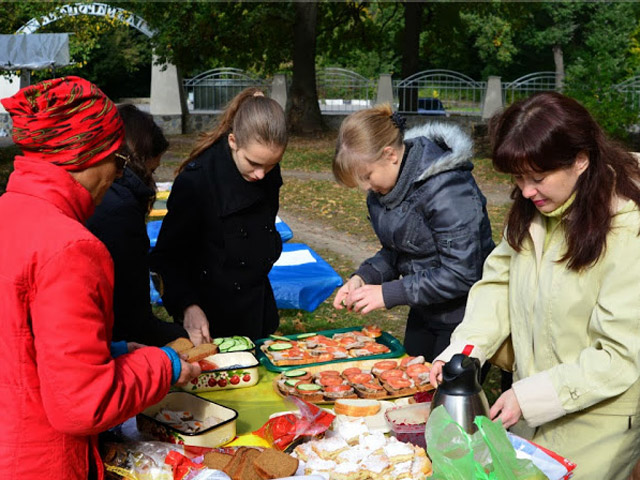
pixel 138 460
pixel 485 455
pixel 283 430
pixel 185 469
pixel 554 466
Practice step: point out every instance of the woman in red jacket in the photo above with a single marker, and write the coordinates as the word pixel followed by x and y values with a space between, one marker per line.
pixel 59 384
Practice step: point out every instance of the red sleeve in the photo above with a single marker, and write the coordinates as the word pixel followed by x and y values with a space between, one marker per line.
pixel 84 390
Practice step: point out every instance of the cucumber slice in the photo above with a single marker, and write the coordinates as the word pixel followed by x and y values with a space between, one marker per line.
pixel 290 382
pixel 218 340
pixel 279 337
pixel 237 347
pixel 276 347
pixel 306 335
pixel 226 345
pixel 295 373
pixel 309 387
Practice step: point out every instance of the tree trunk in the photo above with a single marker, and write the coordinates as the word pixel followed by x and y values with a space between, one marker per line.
pixel 558 59
pixel 303 111
pixel 408 96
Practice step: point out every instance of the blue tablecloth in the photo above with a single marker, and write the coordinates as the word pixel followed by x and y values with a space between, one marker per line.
pixel 301 286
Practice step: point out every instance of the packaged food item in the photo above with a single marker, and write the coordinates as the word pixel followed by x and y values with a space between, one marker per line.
pixel 283 430
pixel 408 422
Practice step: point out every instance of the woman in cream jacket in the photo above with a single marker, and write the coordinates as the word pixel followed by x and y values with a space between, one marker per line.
pixel 564 283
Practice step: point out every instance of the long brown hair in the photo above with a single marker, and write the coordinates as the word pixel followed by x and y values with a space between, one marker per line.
pixel 546 132
pixel 361 139
pixel 251 117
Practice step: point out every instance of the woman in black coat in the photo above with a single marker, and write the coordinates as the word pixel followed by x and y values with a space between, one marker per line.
pixel 218 240
pixel 119 221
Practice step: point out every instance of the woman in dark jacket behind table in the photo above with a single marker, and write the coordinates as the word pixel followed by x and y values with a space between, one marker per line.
pixel 119 221
pixel 429 215
pixel 218 241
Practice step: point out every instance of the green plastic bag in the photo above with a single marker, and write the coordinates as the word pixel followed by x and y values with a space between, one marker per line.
pixel 485 455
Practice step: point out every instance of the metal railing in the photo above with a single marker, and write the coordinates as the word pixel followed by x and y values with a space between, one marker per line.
pixel 453 91
pixel 527 85
pixel 342 90
pixel 213 89
pixel 630 89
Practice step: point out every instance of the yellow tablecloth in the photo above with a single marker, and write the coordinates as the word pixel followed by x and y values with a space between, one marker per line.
pixel 253 404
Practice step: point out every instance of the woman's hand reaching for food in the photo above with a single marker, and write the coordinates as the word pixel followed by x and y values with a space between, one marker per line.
pixel 196 324
pixel 435 374
pixel 352 284
pixel 507 408
pixel 365 299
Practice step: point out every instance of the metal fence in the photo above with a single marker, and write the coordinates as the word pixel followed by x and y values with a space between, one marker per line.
pixel 527 85
pixel 342 90
pixel 630 89
pixel 446 91
pixel 213 89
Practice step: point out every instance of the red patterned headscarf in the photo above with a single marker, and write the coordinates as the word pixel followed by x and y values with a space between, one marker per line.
pixel 66 121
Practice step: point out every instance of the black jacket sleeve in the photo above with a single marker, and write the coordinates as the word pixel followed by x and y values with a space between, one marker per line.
pixel 175 256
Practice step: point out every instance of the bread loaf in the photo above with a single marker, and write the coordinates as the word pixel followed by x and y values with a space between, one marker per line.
pixel 356 407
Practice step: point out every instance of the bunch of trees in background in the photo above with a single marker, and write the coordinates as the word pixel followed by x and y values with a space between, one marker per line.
pixel 591 45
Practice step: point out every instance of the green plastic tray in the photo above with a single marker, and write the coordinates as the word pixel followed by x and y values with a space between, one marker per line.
pixel 395 349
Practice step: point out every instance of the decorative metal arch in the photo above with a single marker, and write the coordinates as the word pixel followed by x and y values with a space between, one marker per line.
pixel 213 90
pixel 453 91
pixel 443 76
pixel 341 75
pixel 527 85
pixel 225 74
pixel 630 88
pixel 95 9
pixel 629 85
pixel 343 91
pixel 533 81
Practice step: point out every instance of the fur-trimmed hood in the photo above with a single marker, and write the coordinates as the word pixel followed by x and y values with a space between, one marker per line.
pixel 456 145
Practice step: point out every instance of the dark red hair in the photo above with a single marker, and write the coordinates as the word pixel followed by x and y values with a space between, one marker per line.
pixel 546 132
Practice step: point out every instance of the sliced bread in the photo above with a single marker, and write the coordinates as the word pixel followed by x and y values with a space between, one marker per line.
pixel 272 463
pixel 356 407
pixel 217 460
pixel 200 352
pixel 180 345
pixel 247 470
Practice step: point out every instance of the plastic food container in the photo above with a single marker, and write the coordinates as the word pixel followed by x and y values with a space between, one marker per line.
pixel 235 370
pixel 408 422
pixel 214 436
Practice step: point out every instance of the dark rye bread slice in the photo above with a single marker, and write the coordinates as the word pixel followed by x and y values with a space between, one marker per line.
pixel 233 466
pixel 180 345
pixel 217 460
pixel 247 470
pixel 272 463
pixel 200 352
